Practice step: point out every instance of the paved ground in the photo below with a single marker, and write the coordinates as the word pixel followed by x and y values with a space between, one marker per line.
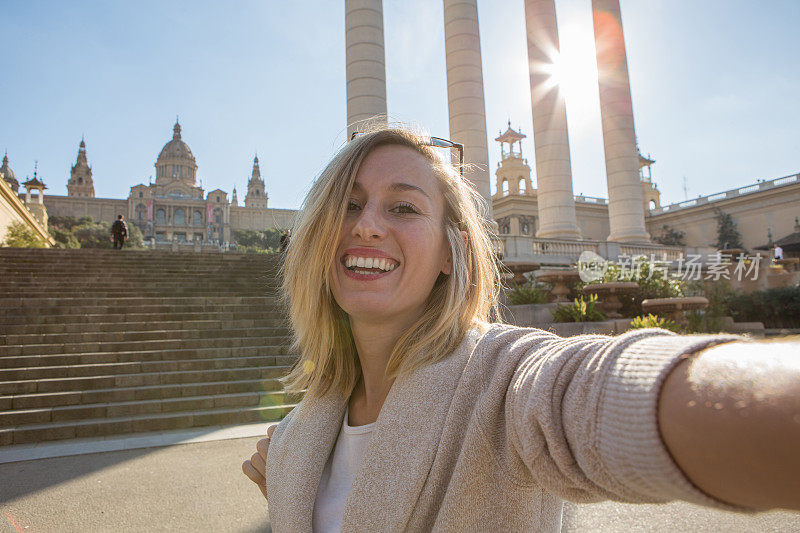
pixel 199 487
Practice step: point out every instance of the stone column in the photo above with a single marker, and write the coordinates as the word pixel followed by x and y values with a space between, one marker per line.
pixel 465 91
pixel 366 64
pixel 625 203
pixel 556 202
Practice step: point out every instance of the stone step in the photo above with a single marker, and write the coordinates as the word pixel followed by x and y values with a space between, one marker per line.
pixel 73 264
pixel 130 254
pixel 168 263
pixel 56 301
pixel 46 315
pixel 53 254
pixel 31 386
pixel 268 343
pixel 140 356
pixel 129 394
pixel 42 415
pixel 103 369
pixel 144 304
pixel 232 280
pixel 235 313
pixel 150 293
pixel 91 326
pixel 147 335
pixel 141 423
pixel 102 342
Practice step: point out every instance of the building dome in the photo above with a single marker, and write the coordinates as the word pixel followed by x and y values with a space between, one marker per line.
pixel 9 175
pixel 176 160
pixel 175 149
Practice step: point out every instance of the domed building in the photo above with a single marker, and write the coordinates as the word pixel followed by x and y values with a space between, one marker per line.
pixel 173 209
pixel 176 160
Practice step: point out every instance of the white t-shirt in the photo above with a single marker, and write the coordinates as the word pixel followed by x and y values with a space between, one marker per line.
pixel 337 477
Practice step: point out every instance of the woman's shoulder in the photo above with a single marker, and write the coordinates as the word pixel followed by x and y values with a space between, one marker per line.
pixel 500 334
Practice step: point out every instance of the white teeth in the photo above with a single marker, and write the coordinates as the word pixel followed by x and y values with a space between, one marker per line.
pixel 386 265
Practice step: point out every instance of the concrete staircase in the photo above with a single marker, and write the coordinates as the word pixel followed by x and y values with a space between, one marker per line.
pixel 105 342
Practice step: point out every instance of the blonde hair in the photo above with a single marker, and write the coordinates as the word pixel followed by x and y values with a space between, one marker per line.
pixel 459 301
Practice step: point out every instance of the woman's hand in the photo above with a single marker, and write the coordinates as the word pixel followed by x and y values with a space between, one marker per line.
pixel 255 467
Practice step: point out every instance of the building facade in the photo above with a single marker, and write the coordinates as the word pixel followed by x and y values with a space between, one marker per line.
pixel 763 211
pixel 173 208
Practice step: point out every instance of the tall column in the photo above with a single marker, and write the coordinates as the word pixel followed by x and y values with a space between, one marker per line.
pixel 625 204
pixel 366 64
pixel 465 91
pixel 556 201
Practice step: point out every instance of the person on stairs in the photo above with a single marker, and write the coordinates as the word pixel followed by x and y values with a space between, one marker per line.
pixel 119 232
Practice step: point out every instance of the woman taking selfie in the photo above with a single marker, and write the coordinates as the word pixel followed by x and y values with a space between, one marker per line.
pixel 422 415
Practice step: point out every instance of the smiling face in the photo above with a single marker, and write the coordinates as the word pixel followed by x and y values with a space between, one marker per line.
pixel 392 246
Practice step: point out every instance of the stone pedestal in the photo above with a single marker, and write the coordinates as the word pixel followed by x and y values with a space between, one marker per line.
pixel 366 63
pixel 625 200
pixel 465 91
pixel 553 170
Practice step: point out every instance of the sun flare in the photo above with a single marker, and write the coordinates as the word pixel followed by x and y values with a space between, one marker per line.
pixel 574 69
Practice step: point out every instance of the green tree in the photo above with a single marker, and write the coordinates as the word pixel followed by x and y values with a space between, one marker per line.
pixel 268 240
pixel 728 235
pixel 86 233
pixel 19 235
pixel 671 236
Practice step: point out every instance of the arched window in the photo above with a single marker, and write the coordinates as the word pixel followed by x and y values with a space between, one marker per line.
pixel 80 181
pixel 161 217
pixel 141 211
pixel 522 185
pixel 505 187
pixel 197 218
pixel 217 199
pixel 140 194
pixel 179 217
pixel 652 204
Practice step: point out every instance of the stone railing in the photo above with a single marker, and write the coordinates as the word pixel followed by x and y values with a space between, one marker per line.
pixel 664 253
pixel 733 193
pixel 566 252
pixel 590 200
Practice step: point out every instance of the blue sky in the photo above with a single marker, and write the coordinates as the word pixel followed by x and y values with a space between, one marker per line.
pixel 715 87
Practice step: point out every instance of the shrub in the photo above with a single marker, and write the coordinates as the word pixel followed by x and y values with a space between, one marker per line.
pixel 653 321
pixel 64 238
pixel 526 294
pixel 86 233
pixel 251 241
pixel 728 235
pixel 19 235
pixel 671 236
pixel 776 308
pixel 580 311
pixel 653 283
pixel 709 320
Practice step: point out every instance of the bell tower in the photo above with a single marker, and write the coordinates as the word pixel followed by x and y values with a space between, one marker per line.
pixel 650 193
pixel 80 177
pixel 513 173
pixel 256 193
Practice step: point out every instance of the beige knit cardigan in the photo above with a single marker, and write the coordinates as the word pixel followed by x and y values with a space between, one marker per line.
pixel 494 436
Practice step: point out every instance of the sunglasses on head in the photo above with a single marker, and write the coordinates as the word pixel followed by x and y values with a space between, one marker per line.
pixel 437 142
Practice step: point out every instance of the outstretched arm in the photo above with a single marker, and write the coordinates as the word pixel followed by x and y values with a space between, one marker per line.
pixel 730 418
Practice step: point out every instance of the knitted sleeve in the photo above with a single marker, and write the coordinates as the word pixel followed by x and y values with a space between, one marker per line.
pixel 579 415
